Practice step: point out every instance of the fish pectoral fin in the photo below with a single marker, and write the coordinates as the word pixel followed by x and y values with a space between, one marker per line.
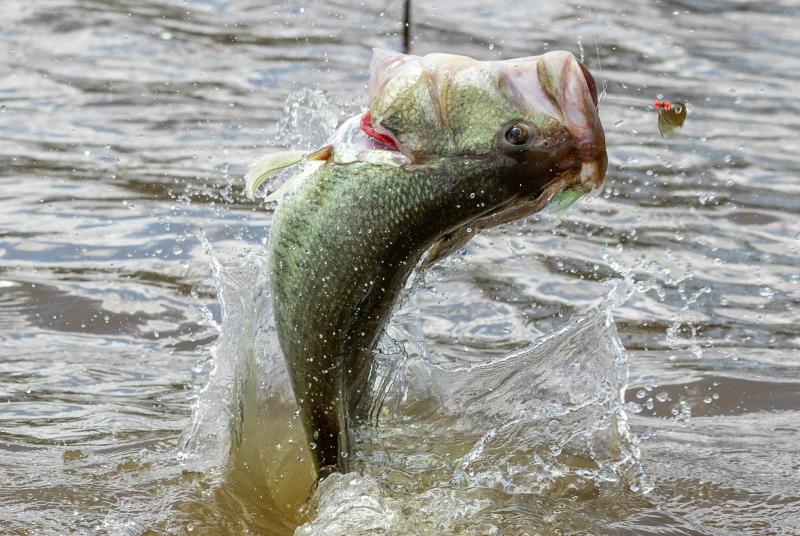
pixel 448 244
pixel 563 200
pixel 267 167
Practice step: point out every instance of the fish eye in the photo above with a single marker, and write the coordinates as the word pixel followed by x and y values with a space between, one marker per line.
pixel 518 134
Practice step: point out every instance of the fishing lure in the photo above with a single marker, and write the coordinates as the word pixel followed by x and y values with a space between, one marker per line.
pixel 671 116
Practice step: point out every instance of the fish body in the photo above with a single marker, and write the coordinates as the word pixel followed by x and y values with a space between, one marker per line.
pixel 461 145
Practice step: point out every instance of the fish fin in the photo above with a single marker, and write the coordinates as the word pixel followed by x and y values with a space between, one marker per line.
pixel 563 200
pixel 265 168
pixel 448 244
pixel 287 186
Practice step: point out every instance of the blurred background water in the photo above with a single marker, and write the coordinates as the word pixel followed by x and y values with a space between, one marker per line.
pixel 125 128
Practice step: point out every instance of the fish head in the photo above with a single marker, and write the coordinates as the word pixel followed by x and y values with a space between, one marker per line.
pixel 535 116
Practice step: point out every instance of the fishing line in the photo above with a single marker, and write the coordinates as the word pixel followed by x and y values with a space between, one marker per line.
pixel 407 27
pixel 603 82
pixel 671 115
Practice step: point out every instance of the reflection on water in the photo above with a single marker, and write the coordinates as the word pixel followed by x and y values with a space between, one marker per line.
pixel 124 127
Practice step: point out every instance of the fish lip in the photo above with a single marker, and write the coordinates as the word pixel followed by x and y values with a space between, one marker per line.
pixel 585 175
pixel 590 83
pixel 570 85
pixel 592 174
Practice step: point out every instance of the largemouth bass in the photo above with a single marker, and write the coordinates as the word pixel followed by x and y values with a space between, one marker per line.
pixel 448 147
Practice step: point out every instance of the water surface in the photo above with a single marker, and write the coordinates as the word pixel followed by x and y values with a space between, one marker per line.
pixel 124 130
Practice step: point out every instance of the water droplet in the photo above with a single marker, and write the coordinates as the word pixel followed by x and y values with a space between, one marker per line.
pixel 633 407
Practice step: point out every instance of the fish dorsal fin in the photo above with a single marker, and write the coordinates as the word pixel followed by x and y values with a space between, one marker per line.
pixel 267 167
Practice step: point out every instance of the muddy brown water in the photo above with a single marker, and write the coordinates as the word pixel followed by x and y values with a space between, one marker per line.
pixel 125 128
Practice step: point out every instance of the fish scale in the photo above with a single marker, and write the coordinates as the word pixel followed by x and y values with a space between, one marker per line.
pixel 408 209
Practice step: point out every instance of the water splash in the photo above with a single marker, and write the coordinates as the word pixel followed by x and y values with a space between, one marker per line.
pixel 545 421
pixel 309 118
pixel 246 434
pixel 444 444
pixel 206 444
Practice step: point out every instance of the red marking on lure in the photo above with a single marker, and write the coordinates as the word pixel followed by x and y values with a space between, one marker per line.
pixel 366 126
pixel 671 116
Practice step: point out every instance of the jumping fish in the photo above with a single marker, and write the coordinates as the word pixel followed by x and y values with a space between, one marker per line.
pixel 449 146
